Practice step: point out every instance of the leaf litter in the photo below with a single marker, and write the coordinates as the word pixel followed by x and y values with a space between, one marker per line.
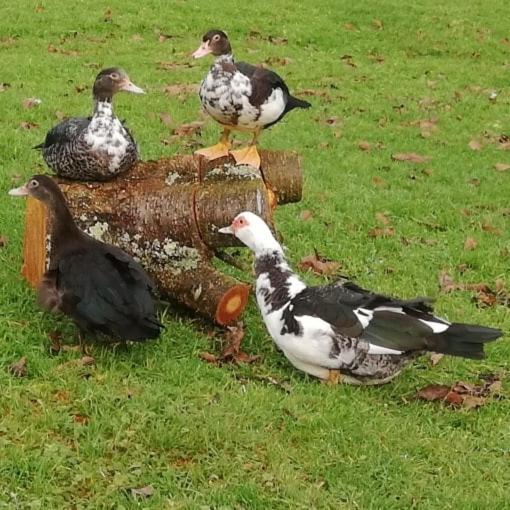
pixel 318 264
pixel 462 394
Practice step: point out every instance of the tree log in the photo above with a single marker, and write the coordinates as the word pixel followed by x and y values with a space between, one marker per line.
pixel 166 214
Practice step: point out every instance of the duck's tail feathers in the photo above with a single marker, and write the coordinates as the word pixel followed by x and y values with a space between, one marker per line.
pixel 294 102
pixel 39 147
pixel 463 340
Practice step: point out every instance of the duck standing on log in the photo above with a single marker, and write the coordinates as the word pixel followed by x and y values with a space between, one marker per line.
pixel 96 148
pixel 99 286
pixel 341 332
pixel 241 97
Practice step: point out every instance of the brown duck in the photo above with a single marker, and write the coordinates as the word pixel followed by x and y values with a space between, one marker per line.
pixel 99 286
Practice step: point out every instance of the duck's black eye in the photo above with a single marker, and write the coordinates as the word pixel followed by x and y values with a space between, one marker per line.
pixel 34 183
pixel 114 76
pixel 216 38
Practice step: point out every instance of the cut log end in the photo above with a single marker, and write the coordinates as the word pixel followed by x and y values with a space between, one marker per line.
pixel 34 244
pixel 232 304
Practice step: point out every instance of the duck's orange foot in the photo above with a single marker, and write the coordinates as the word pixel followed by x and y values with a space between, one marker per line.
pixel 220 150
pixel 247 156
pixel 334 378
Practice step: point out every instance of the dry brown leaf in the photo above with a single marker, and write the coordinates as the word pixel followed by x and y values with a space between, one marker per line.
pixel 433 392
pixel 39 8
pixel 428 127
pixel 453 398
pixel 377 23
pixel 474 182
pixel 80 419
pixel 318 264
pixel 382 218
pixel 348 60
pixel 62 51
pixel 232 351
pixel 188 129
pixel 505 41
pixel 364 145
pixel 502 167
pixel 381 232
pixel 56 346
pixel 143 492
pixel 472 402
pixel 136 37
pixel 305 215
pixel 180 89
pixel 3 241
pixel 108 15
pixel 487 227
pixel 411 157
pixel 31 102
pixel 475 145
pixel 4 86
pixel 209 357
pixel 435 358
pixel 277 40
pixel 349 26
pixel 170 65
pixel 166 119
pixel 377 181
pixel 19 368
pixel 164 37
pixel 28 124
pixel 470 244
pixel 276 61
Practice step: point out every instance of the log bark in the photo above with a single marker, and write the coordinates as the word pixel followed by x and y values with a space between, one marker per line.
pixel 166 214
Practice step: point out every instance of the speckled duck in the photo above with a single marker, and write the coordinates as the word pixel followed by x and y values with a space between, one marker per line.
pixel 341 332
pixel 96 148
pixel 241 97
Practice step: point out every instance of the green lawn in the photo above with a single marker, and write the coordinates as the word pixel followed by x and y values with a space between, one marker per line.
pixel 220 437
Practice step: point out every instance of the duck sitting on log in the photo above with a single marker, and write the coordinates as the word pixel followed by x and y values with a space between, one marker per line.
pixel 341 331
pixel 241 97
pixel 96 148
pixel 99 286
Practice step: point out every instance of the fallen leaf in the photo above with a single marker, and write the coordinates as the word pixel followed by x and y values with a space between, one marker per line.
pixel 318 264
pixel 62 51
pixel 435 358
pixel 487 227
pixel 348 60
pixel 210 358
pixel 502 167
pixel 56 346
pixel 453 398
pixel 349 26
pixel 277 61
pixel 28 124
pixel 433 392
pixel 4 86
pixel 377 23
pixel 108 15
pixel 470 244
pixel 39 8
pixel 364 146
pixel 136 37
pixel 474 182
pixel 81 419
pixel 277 40
pixel 3 241
pixel 505 41
pixel 427 171
pixel 377 181
pixel 381 232
pixel 166 119
pixel 164 37
pixel 19 368
pixel 180 89
pixel 382 218
pixel 475 145
pixel 143 492
pixel 169 65
pixel 30 102
pixel 188 129
pixel 232 351
pixel 472 402
pixel 305 215
pixel 411 157
pixel 427 127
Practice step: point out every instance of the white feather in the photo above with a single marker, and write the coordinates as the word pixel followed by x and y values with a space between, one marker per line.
pixel 437 327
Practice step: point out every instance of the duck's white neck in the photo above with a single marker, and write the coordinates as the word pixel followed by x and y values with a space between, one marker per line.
pixel 103 108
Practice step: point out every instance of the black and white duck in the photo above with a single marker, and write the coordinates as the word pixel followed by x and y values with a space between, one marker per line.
pixel 98 147
pixel 341 331
pixel 241 97
pixel 99 286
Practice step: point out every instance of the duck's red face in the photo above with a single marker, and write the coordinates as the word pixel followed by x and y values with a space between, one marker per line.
pixel 240 222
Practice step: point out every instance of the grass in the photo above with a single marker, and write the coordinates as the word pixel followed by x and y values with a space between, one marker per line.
pixel 209 437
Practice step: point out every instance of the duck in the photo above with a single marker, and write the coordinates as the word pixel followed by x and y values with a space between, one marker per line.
pixel 342 332
pixel 101 288
pixel 99 147
pixel 240 97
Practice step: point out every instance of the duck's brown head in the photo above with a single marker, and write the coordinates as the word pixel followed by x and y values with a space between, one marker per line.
pixel 215 42
pixel 112 80
pixel 40 187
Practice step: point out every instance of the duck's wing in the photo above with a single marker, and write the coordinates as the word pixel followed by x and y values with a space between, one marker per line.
pixel 388 325
pixel 65 132
pixel 107 293
pixel 263 82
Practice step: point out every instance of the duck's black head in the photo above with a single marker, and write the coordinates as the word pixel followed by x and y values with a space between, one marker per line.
pixel 40 187
pixel 112 80
pixel 215 42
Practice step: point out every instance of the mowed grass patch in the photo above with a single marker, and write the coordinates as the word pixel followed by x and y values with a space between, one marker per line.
pixel 156 415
